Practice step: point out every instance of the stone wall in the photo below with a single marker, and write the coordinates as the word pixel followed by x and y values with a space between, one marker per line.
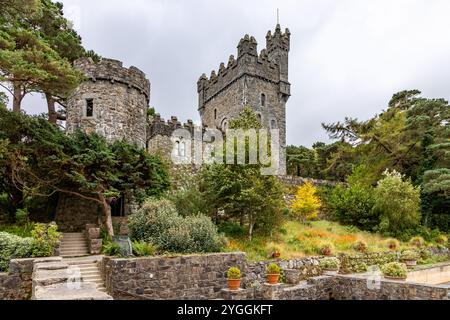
pixel 73 214
pixel 181 277
pixel 255 273
pixel 356 288
pixel 16 284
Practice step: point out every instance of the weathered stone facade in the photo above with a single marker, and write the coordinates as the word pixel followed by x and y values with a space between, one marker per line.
pixel 119 100
pixel 256 81
pixel 17 283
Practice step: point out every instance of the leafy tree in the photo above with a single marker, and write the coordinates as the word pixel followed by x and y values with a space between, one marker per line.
pixel 42 160
pixel 306 204
pixel 353 206
pixel 397 202
pixel 240 191
pixel 37 47
pixel 301 161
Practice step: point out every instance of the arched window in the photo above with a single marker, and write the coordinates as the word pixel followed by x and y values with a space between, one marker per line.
pixel 215 114
pixel 182 150
pixel 259 118
pixel 263 100
pixel 177 148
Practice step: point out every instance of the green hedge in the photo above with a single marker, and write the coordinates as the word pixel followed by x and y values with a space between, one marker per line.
pixel 12 247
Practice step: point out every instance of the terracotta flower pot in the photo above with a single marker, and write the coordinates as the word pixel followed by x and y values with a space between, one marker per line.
pixel 276 254
pixel 273 278
pixel 234 284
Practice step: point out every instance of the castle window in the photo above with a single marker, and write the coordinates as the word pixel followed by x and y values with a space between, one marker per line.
pixel 182 150
pixel 259 118
pixel 273 124
pixel 263 100
pixel 215 114
pixel 89 107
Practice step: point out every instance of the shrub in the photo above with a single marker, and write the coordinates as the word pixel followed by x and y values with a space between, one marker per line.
pixel 353 206
pixel 12 247
pixel 46 238
pixel 442 239
pixel 158 222
pixel 306 204
pixel 204 235
pixel 397 203
pixel 410 255
pixel 395 270
pixel 330 263
pixel 143 249
pixel 393 244
pixel 22 216
pixel 234 273
pixel 153 219
pixel 112 249
pixel 360 246
pixel 417 242
pixel 327 249
pixel 273 268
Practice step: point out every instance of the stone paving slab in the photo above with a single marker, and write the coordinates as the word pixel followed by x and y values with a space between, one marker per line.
pixel 62 291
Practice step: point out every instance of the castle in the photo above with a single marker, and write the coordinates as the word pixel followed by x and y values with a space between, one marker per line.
pixel 113 100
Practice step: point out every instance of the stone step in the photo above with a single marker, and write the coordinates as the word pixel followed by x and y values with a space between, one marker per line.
pixel 73 241
pixel 71 247
pixel 65 252
pixel 73 255
pixel 87 267
pixel 83 260
pixel 93 278
pixel 90 273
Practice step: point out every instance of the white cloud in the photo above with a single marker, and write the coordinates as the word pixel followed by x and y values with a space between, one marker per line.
pixel 347 56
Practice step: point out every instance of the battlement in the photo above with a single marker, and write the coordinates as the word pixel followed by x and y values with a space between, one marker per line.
pixel 278 40
pixel 165 128
pixel 113 71
pixel 247 63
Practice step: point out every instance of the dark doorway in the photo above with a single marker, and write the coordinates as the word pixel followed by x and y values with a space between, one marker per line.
pixel 118 207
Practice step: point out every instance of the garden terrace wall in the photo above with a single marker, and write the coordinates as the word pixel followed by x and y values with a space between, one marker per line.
pixel 356 288
pixel 256 271
pixel 180 277
pixel 16 284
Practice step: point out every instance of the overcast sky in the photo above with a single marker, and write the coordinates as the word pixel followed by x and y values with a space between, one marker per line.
pixel 347 56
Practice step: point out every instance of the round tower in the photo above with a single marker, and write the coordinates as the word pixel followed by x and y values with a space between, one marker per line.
pixel 112 101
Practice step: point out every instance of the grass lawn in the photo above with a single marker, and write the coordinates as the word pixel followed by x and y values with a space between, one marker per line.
pixel 295 239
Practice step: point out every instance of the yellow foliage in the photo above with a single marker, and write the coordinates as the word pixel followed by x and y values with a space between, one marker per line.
pixel 306 204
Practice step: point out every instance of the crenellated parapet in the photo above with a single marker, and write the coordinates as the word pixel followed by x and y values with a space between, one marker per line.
pixel 113 71
pixel 248 62
pixel 159 126
pixel 278 40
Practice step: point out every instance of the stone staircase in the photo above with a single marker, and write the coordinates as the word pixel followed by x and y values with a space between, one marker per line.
pixel 58 278
pixel 89 269
pixel 74 245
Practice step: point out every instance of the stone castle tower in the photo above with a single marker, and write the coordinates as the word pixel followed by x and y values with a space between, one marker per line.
pixel 112 102
pixel 257 81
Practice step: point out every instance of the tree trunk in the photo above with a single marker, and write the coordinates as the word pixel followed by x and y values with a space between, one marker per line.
pixel 18 96
pixel 250 229
pixel 52 115
pixel 106 208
